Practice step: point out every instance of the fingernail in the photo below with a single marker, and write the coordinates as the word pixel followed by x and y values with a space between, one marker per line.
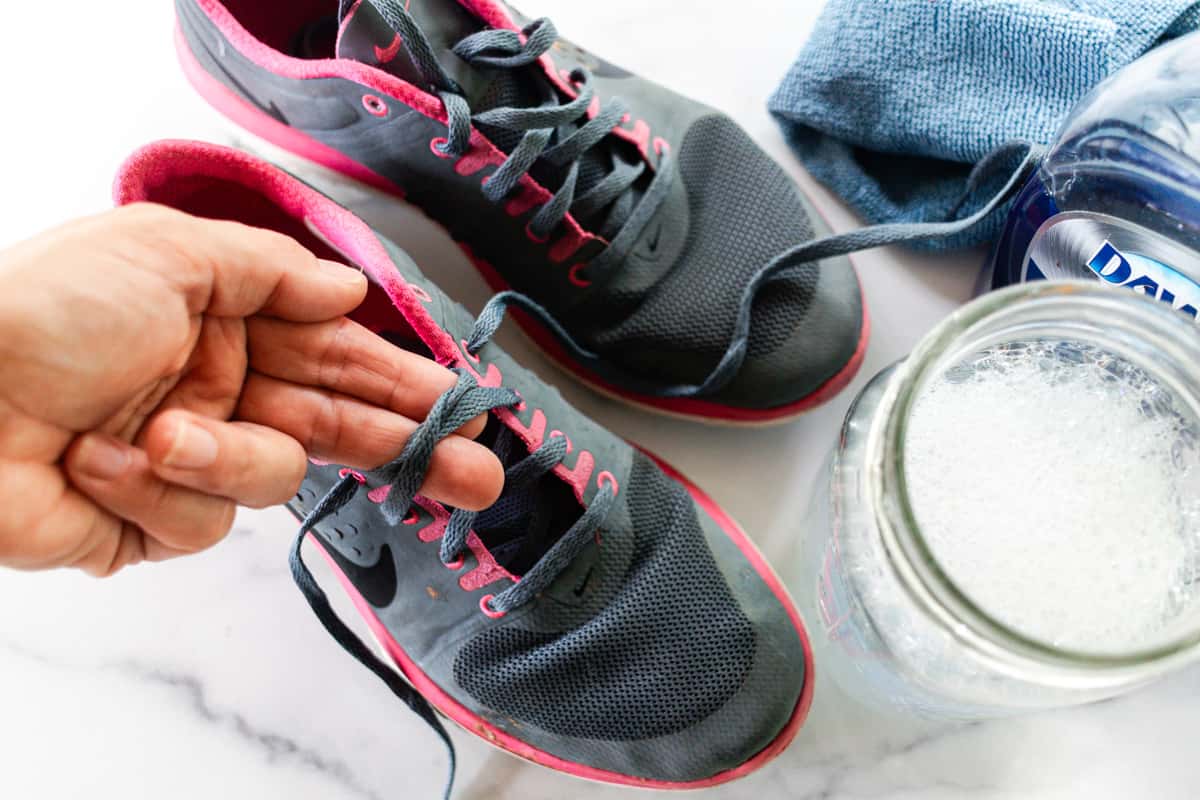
pixel 101 457
pixel 192 448
pixel 340 272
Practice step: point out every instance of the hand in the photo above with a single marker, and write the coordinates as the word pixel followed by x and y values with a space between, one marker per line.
pixel 157 369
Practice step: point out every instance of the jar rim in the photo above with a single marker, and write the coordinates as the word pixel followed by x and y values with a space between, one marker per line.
pixel 910 555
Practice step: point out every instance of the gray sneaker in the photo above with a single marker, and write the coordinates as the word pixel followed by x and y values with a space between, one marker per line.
pixel 653 236
pixel 604 618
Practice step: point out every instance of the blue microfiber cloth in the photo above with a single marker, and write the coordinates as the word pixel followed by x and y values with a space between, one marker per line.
pixel 891 102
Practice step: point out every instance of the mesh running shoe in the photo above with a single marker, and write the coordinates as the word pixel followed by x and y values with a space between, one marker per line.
pixel 651 233
pixel 604 618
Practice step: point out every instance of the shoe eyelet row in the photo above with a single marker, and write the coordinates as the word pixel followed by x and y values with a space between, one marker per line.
pixel 437 147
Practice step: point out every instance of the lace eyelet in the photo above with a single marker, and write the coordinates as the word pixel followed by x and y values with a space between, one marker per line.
pixel 456 564
pixel 412 517
pixel 374 105
pixel 661 146
pixel 575 276
pixel 358 476
pixel 437 145
pixel 554 433
pixel 466 351
pixel 486 608
pixel 520 404
pixel 533 237
pixel 607 478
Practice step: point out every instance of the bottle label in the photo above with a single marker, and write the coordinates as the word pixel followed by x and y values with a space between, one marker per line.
pixel 1117 252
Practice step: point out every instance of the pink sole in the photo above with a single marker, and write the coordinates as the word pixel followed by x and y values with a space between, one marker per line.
pixel 275 132
pixel 475 724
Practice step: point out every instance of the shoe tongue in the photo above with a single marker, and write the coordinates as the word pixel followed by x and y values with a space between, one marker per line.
pixel 528 519
pixel 364 35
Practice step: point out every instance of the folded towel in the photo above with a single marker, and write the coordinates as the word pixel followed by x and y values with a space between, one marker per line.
pixel 891 102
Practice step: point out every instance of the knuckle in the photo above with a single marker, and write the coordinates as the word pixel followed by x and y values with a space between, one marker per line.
pixel 160 237
pixel 328 429
pixel 332 359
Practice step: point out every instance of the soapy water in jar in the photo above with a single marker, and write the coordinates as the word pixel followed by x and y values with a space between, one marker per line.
pixel 1058 487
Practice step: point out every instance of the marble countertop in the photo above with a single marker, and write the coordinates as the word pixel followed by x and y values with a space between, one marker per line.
pixel 208 677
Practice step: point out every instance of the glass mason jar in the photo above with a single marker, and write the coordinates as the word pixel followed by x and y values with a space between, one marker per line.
pixel 893 624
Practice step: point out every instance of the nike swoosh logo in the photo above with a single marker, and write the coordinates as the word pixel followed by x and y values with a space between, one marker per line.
pixel 654 240
pixel 385 54
pixel 583 583
pixel 376 583
pixel 652 243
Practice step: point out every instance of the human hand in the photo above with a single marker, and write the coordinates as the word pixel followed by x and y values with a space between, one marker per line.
pixel 157 369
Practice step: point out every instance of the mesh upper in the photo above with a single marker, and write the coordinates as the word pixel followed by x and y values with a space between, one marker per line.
pixel 743 211
pixel 668 646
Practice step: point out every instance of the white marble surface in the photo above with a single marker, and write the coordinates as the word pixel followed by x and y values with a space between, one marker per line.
pixel 208 677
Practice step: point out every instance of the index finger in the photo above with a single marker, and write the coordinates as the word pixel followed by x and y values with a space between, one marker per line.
pixel 345 357
pixel 229 269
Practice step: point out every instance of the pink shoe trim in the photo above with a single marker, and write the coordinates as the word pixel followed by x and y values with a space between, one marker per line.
pixel 274 131
pixel 156 164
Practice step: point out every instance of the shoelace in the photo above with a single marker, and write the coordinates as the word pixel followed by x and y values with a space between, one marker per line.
pixel 828 247
pixel 538 126
pixel 504 49
pixel 453 409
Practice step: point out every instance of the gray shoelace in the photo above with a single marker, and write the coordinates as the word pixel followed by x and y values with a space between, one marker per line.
pixel 465 401
pixel 549 133
pixel 460 404
pixel 838 244
pixel 503 48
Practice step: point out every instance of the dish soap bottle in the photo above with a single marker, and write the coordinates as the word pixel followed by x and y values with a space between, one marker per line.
pixel 1117 198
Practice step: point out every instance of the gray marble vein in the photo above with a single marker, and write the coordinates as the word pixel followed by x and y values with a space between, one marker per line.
pixel 190 690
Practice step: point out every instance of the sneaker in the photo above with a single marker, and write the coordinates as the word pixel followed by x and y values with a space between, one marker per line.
pixel 652 235
pixel 604 617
